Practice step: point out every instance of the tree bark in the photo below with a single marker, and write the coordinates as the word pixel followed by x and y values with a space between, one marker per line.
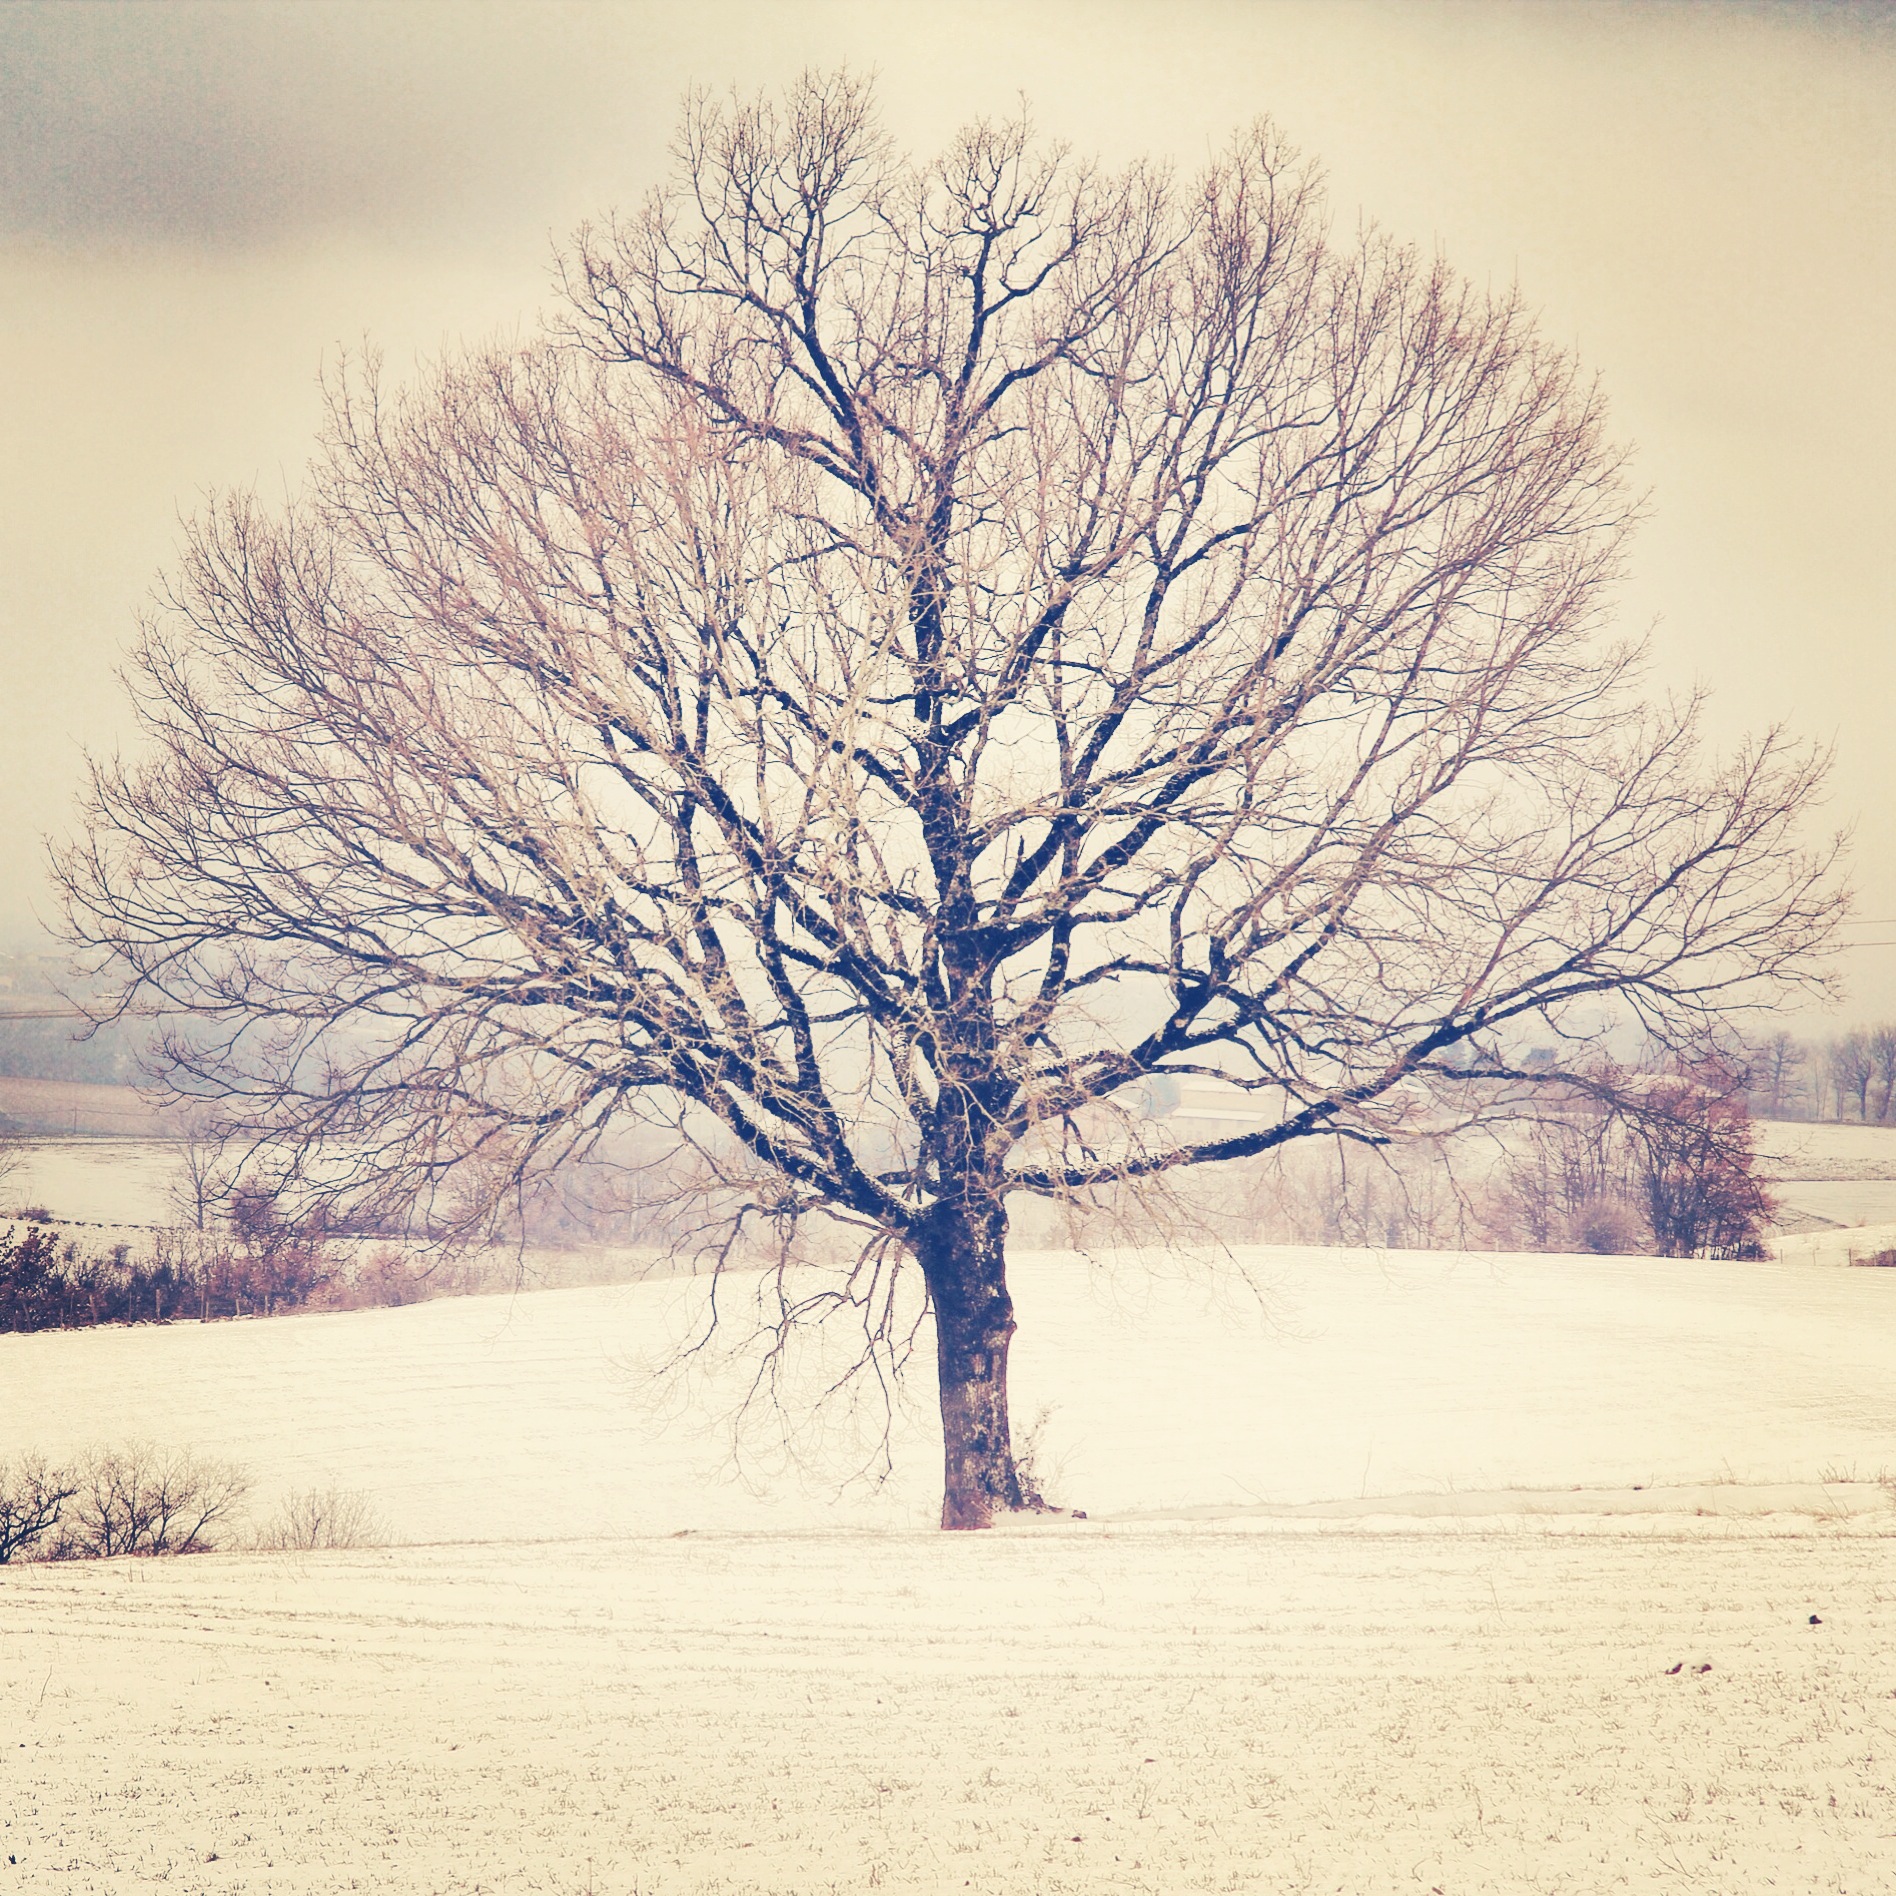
pixel 961 1247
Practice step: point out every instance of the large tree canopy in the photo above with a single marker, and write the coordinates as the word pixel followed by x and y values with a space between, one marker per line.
pixel 914 651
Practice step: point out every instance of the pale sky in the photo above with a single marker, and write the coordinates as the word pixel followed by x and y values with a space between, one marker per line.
pixel 199 204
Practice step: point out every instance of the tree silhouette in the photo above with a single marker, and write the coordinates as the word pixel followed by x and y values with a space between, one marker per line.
pixel 913 652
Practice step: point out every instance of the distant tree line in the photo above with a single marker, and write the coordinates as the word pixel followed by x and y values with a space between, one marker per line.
pixel 1849 1078
pixel 1572 1170
pixel 54 1041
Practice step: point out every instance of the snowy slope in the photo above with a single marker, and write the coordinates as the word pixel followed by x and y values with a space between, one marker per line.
pixel 1815 1149
pixel 1340 1619
pixel 1350 1376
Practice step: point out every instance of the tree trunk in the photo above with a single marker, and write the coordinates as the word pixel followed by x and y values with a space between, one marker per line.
pixel 961 1247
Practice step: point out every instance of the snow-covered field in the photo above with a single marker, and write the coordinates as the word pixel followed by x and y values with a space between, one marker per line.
pixel 1085 1711
pixel 107 1181
pixel 1351 1375
pixel 1841 1175
pixel 1432 1573
pixel 1811 1149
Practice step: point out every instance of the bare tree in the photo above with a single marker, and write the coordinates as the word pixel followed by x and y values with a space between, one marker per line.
pixel 1849 1067
pixel 198 1190
pixel 1882 1055
pixel 1776 1062
pixel 1566 1184
pixel 1693 1157
pixel 916 651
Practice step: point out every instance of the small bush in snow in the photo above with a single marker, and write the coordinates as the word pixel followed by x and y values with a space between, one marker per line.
pixel 313 1519
pixel 140 1499
pixel 386 1279
pixel 33 1496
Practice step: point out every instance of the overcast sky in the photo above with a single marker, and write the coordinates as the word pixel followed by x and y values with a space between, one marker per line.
pixel 200 203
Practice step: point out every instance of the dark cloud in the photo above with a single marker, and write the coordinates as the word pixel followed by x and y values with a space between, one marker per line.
pixel 234 122
pixel 220 124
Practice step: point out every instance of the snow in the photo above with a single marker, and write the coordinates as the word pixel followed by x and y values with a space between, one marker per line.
pixel 1347 1374
pixel 1081 1712
pixel 123 1183
pixel 1864 1201
pixel 1841 1175
pixel 1847 1244
pixel 1810 1149
pixel 1443 1573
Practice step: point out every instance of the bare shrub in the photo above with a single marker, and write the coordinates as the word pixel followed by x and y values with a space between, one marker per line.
pixel 1038 1473
pixel 1608 1227
pixel 33 1496
pixel 389 1278
pixel 313 1519
pixel 144 1500
pixel 47 1283
pixel 279 1261
pixel 1635 1162
pixel 258 1264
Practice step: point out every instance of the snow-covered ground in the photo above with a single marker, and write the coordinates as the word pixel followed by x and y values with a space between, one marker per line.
pixel 1854 1201
pixel 1066 1714
pixel 1841 1176
pixel 105 1181
pixel 1349 1375
pixel 1426 1572
pixel 1811 1149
